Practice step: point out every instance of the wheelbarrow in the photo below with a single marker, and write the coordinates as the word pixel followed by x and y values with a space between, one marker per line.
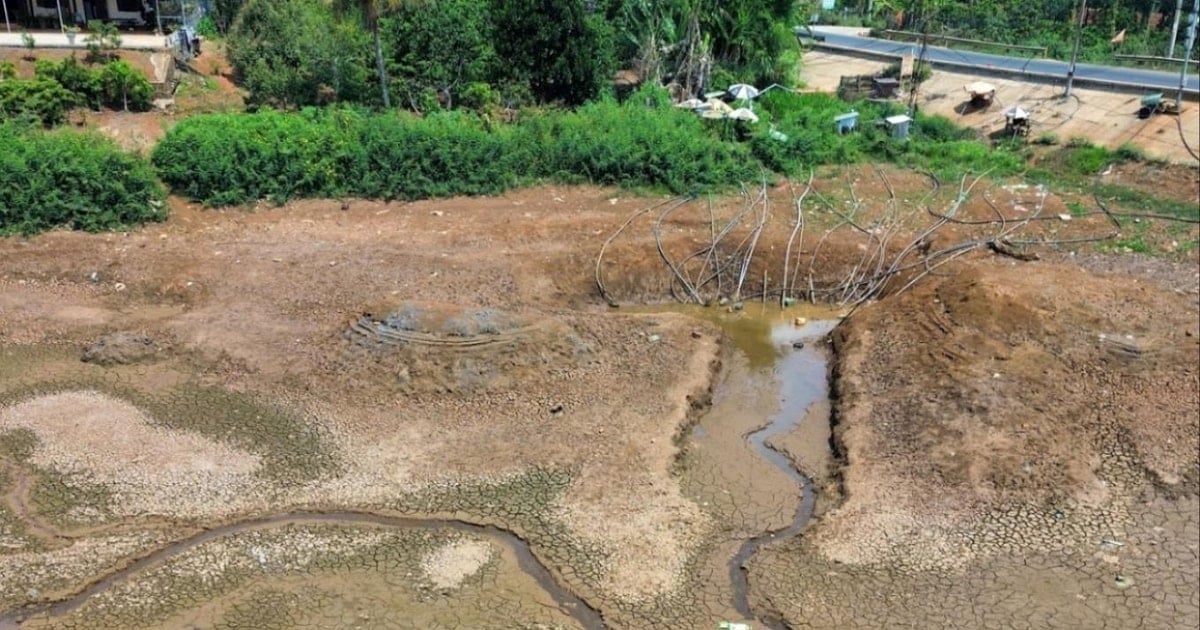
pixel 1156 103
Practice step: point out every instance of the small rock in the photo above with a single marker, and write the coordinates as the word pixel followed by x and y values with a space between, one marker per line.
pixel 737 306
pixel 799 321
pixel 798 345
pixel 33 594
pixel 1123 582
pixel 556 409
pixel 120 286
pixel 1064 217
pixel 723 301
pixel 437 213
pixel 94 277
pixel 120 348
pixel 696 334
pixel 654 338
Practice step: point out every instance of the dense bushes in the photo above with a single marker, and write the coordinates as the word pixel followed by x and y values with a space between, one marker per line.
pixel 228 159
pixel 224 159
pixel 295 53
pixel 59 86
pixel 39 101
pixel 78 180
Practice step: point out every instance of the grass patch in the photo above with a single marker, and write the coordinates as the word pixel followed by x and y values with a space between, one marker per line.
pixel 1141 201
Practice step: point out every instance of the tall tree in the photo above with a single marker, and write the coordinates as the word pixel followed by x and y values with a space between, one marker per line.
pixel 561 51
pixel 370 11
pixel 442 47
pixel 293 53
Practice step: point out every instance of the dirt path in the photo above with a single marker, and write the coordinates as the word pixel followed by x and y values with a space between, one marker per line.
pixel 1106 118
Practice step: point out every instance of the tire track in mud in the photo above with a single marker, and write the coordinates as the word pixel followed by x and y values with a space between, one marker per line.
pixel 568 603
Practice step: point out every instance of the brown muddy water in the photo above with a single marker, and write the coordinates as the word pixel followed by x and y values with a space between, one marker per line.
pixel 782 376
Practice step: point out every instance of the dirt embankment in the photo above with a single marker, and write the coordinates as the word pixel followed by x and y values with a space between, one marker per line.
pixel 1002 423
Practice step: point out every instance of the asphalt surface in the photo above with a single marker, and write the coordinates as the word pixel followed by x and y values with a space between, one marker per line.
pixel 1165 81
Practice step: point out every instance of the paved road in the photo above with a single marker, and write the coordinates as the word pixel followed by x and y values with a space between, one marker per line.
pixel 1166 81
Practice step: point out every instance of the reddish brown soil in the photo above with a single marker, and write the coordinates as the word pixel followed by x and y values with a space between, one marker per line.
pixel 983 395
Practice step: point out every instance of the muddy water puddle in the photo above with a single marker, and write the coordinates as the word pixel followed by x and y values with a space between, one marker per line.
pixel 770 414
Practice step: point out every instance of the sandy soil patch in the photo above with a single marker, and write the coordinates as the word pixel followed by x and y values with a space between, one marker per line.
pixel 107 441
pixel 450 564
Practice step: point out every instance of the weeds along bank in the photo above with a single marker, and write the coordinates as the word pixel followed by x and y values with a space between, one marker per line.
pixel 52 179
pixel 643 142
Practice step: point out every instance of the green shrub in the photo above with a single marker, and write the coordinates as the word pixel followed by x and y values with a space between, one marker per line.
pixel 77 180
pixel 75 77
pixel 102 41
pixel 1079 142
pixel 7 70
pixel 41 101
pixel 295 53
pixel 125 87
pixel 1130 152
pixel 235 158
pixel 1047 139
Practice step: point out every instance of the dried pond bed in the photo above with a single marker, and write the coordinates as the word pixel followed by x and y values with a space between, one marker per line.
pixel 570 435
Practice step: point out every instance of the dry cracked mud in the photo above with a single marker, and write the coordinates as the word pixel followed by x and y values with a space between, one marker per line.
pixel 423 414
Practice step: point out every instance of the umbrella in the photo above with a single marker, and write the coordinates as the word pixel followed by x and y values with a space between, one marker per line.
pixel 1015 112
pixel 742 91
pixel 980 87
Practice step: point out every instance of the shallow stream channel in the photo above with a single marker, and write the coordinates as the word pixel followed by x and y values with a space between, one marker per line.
pixel 767 434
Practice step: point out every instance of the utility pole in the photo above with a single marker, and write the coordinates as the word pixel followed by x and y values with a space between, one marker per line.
pixel 1075 48
pixel 920 64
pixel 1187 52
pixel 1174 28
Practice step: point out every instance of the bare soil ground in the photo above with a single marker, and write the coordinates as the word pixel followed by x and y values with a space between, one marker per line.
pixel 1106 118
pixel 453 359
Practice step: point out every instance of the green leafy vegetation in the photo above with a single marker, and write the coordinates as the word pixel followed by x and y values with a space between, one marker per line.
pixel 236 158
pixel 228 159
pixel 441 54
pixel 294 53
pixel 58 87
pixel 102 41
pixel 561 53
pixel 52 179
pixel 39 101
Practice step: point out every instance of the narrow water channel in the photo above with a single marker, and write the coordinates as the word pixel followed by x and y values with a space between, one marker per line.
pixel 803 380
pixel 566 601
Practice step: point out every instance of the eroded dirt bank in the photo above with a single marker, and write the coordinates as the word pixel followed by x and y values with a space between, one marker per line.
pixel 1020 450
pixel 453 360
